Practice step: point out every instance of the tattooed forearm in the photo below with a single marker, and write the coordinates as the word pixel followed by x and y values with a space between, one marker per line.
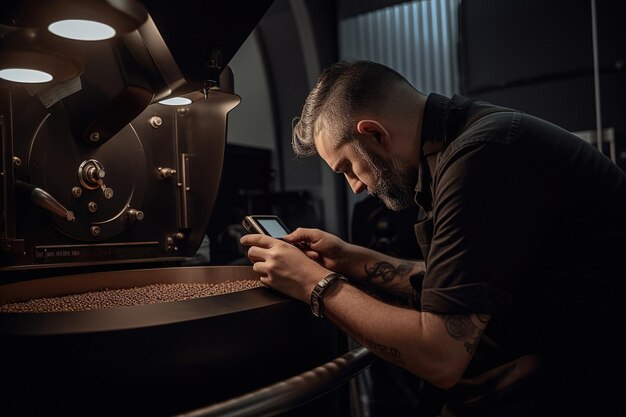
pixel 390 353
pixel 386 271
pixel 467 328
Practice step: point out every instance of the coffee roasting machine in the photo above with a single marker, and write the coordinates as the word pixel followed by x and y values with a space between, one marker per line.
pixel 104 188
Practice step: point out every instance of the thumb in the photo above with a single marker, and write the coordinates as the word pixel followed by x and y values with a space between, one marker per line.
pixel 302 234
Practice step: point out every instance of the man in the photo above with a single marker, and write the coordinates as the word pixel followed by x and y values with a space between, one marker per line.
pixel 524 238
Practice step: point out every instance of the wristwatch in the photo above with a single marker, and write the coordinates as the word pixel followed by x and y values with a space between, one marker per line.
pixel 317 295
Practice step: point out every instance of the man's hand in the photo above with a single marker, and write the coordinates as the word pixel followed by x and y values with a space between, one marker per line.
pixel 283 266
pixel 328 250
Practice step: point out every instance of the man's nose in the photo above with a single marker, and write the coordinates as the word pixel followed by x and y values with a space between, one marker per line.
pixel 356 185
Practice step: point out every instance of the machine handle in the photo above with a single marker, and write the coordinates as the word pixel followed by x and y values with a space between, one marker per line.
pixel 44 200
pixel 292 392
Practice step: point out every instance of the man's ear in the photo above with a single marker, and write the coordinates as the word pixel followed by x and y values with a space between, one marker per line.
pixel 376 131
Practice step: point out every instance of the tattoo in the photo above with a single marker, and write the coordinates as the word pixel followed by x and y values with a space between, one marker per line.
pixel 386 271
pixel 458 326
pixel 467 329
pixel 390 353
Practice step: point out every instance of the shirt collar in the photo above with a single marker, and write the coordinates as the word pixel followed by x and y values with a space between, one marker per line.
pixel 433 131
pixel 435 118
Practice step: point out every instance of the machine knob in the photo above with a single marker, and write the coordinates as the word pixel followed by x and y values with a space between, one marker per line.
pixel 91 174
pixel 135 214
pixel 95 174
pixel 166 172
pixel 108 192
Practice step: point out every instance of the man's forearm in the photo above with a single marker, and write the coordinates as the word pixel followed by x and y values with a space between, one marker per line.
pixel 435 348
pixel 385 272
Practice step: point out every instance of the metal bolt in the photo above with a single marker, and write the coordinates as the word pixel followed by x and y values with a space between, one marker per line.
pixel 92 207
pixel 179 236
pixel 166 172
pixel 156 122
pixel 77 192
pixel 94 136
pixel 95 231
pixel 135 214
pixel 17 161
pixel 108 193
pixel 95 174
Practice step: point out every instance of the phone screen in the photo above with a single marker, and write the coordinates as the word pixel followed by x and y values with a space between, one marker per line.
pixel 272 227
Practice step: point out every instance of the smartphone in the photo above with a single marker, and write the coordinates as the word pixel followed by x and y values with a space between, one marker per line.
pixel 265 224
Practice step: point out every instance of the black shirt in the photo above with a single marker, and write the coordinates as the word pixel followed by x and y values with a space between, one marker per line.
pixel 529 226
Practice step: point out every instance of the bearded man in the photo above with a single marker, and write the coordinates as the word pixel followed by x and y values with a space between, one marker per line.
pixel 523 233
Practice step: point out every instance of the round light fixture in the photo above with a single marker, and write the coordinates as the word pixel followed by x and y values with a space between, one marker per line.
pixel 83 20
pixel 176 101
pixel 82 30
pixel 32 56
pixel 25 75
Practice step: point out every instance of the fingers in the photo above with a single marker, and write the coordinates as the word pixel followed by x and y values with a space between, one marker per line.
pixel 263 274
pixel 312 255
pixel 260 269
pixel 302 234
pixel 269 256
pixel 258 240
pixel 254 254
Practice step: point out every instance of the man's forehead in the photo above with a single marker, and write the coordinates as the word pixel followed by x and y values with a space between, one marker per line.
pixel 326 147
pixel 323 144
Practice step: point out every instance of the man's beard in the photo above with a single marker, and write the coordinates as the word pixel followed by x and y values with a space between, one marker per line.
pixel 395 183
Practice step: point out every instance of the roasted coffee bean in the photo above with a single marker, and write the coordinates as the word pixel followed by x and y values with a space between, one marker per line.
pixel 111 298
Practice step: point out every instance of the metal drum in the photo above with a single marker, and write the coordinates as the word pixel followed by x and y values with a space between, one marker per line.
pixel 152 359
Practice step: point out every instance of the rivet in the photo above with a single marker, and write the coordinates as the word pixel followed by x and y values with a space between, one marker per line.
pixel 156 122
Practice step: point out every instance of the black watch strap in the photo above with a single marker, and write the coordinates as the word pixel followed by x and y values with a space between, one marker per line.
pixel 317 295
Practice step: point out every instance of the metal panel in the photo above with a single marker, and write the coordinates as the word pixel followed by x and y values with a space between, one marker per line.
pixel 417 39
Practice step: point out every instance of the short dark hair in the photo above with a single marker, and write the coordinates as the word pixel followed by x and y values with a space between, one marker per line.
pixel 342 91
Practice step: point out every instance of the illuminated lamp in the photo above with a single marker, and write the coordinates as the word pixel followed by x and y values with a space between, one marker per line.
pixel 176 101
pixel 84 20
pixel 32 56
pixel 183 99
pixel 82 30
pixel 25 75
